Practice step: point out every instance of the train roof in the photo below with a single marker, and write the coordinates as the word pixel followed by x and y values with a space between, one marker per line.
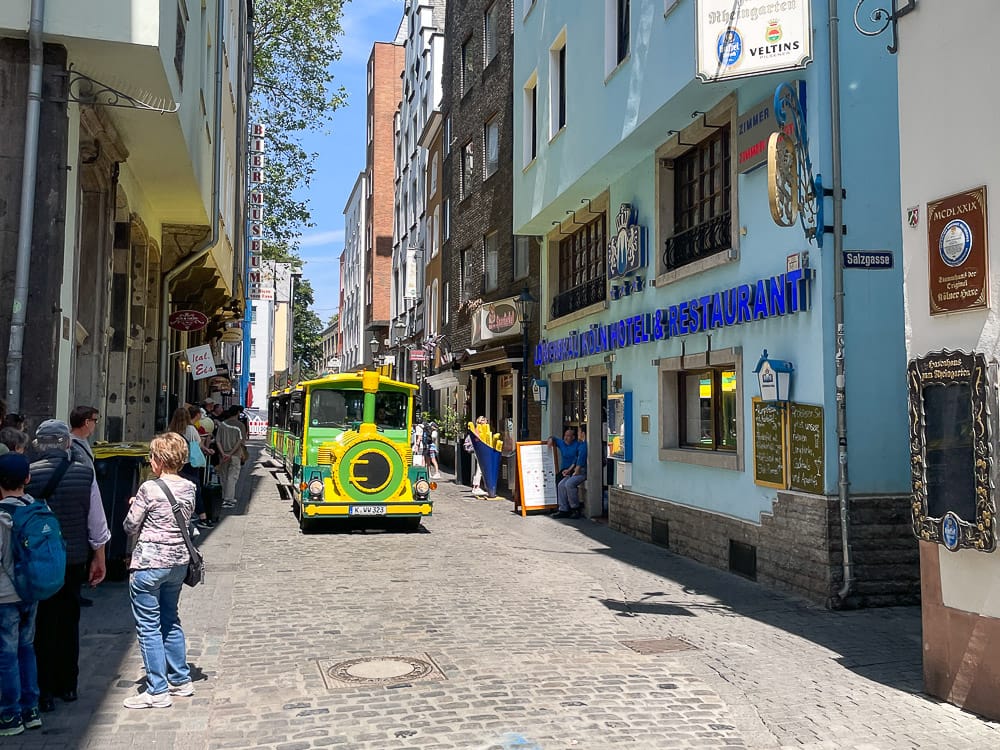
pixel 355 377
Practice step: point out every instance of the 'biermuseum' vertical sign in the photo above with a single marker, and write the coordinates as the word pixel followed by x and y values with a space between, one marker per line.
pixel 958 257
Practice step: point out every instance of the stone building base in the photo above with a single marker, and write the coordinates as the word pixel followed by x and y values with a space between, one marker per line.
pixel 796 547
pixel 961 649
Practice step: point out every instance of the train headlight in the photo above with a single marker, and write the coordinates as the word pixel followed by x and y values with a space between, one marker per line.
pixel 422 487
pixel 316 489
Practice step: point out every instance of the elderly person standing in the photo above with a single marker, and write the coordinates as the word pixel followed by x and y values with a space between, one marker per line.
pixel 69 488
pixel 159 563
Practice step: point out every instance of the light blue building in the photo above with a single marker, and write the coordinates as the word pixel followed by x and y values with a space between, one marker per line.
pixel 611 111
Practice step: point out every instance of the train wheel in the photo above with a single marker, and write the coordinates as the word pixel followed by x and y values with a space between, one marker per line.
pixel 411 524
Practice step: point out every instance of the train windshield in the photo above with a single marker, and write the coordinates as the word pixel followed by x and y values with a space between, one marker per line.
pixel 390 410
pixel 336 408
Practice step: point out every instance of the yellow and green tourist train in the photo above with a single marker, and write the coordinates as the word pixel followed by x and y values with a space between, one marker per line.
pixel 344 441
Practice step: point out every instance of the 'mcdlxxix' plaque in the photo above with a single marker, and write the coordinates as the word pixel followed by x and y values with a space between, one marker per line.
pixel 957 252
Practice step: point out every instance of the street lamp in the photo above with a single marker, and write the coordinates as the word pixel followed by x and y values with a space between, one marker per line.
pixel 526 311
pixel 373 347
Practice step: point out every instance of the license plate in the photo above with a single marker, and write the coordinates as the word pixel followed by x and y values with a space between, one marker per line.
pixel 367 510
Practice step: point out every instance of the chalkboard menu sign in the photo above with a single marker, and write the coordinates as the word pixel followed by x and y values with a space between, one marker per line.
pixel 770 467
pixel 952 428
pixel 806 465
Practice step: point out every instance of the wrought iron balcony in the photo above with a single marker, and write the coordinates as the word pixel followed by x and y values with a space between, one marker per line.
pixel 579 297
pixel 709 238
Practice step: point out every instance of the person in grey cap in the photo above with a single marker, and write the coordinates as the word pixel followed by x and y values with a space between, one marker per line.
pixel 72 494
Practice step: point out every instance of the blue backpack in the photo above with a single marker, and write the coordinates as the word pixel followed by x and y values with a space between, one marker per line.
pixel 39 550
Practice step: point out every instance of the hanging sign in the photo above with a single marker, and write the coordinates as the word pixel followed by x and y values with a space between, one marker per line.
pixel 187 320
pixel 496 320
pixel 626 250
pixel 202 362
pixel 736 39
pixel 957 253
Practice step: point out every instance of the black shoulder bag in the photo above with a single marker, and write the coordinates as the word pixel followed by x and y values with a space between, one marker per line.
pixel 54 480
pixel 196 566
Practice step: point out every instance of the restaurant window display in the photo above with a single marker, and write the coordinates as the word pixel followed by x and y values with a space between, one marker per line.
pixel 708 408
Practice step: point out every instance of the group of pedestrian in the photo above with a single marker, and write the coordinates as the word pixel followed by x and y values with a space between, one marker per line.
pixel 216 437
pixel 40 639
pixel 424 445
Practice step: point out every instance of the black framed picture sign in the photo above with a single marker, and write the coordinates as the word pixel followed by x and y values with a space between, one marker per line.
pixel 952 428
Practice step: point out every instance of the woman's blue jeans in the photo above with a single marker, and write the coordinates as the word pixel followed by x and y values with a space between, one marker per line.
pixel 18 673
pixel 155 594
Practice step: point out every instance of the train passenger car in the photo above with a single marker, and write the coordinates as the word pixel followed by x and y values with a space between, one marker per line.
pixel 344 441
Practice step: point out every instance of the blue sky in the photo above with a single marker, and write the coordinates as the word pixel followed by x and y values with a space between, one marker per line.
pixel 341 149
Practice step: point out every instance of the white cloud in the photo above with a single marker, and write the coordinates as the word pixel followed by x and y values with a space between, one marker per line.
pixel 317 239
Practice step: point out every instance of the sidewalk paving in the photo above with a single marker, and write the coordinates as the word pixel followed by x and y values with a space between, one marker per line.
pixel 535 633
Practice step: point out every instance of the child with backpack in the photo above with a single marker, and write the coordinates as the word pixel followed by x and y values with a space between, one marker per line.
pixel 30 547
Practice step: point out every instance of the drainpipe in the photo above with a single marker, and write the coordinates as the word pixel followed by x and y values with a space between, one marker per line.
pixel 205 247
pixel 843 484
pixel 15 351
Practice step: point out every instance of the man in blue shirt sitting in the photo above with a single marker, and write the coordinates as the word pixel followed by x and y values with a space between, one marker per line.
pixel 572 472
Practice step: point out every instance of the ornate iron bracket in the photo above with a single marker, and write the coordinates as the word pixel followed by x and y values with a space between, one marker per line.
pixel 810 187
pixel 86 90
pixel 886 19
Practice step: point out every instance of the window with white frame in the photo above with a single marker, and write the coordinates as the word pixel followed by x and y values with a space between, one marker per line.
pixel 468 71
pixel 446 219
pixel 491 26
pixel 701 415
pixel 617 33
pixel 522 256
pixel 530 124
pixel 490 251
pixel 557 85
pixel 491 145
pixel 433 188
pixel 445 308
pixel 468 162
pixel 464 282
pixel 446 140
pixel 431 234
pixel 435 232
pixel 435 306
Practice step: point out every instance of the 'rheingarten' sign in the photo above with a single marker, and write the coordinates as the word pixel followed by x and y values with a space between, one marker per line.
pixel 738 38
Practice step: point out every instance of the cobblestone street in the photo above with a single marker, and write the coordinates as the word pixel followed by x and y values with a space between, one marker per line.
pixel 521 633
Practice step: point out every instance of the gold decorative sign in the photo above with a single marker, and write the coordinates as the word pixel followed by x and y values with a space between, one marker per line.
pixel 957 253
pixel 951 456
pixel 782 179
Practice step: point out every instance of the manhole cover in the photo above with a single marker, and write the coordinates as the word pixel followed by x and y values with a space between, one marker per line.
pixel 379 670
pixel 658 646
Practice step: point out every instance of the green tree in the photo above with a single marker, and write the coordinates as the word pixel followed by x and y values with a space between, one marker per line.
pixel 295 44
pixel 307 342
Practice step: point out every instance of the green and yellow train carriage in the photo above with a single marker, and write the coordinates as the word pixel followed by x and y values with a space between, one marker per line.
pixel 344 441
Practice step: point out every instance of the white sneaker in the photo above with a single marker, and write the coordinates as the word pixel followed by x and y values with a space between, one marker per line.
pixel 145 700
pixel 184 690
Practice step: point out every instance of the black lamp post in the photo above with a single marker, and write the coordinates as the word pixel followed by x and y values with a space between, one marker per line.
pixel 526 311
pixel 373 346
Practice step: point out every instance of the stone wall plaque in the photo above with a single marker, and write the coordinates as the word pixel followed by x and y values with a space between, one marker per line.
pixel 957 253
pixel 952 428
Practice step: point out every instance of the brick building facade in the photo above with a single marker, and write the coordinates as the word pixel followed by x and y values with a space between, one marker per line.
pixel 483 265
pixel 384 91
